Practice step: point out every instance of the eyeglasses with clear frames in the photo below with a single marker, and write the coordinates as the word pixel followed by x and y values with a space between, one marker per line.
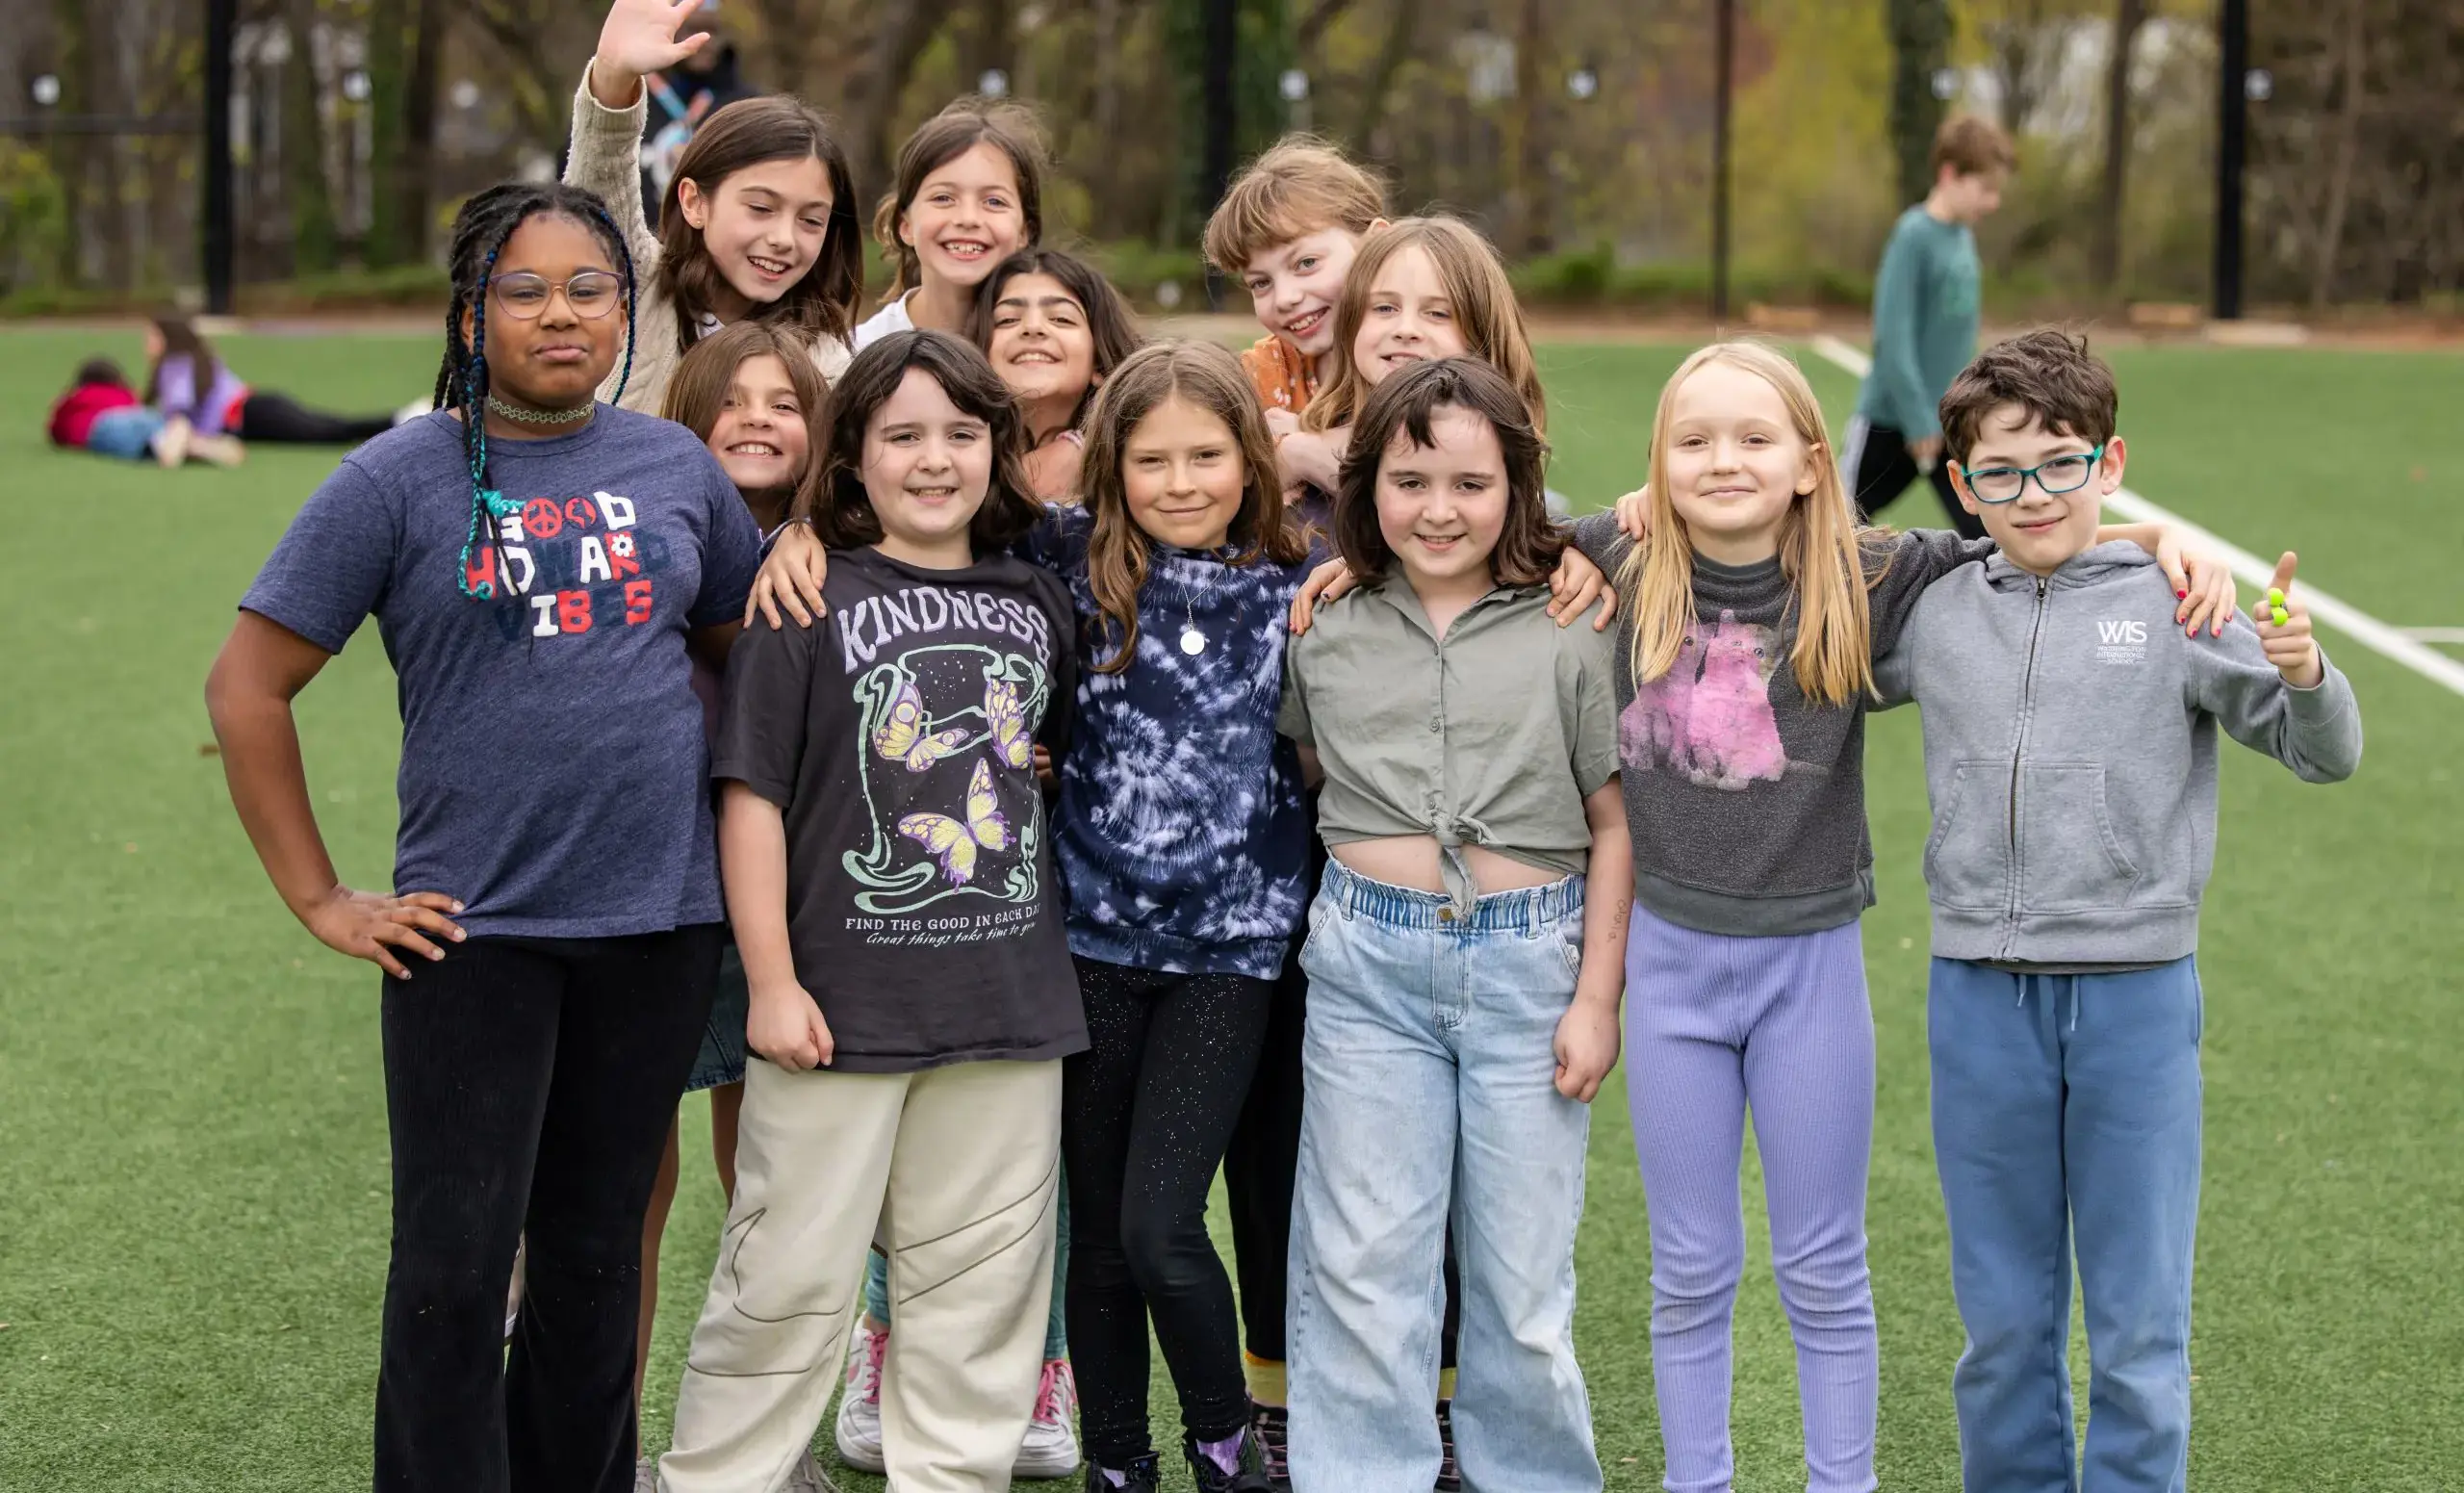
pixel 524 295
pixel 2062 475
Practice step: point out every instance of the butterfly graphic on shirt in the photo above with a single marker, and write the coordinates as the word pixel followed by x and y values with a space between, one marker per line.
pixel 954 843
pixel 903 735
pixel 1008 718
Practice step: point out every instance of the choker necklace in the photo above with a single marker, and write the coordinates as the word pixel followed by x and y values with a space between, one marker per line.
pixel 538 416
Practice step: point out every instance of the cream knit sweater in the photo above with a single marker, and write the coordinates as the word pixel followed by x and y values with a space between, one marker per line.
pixel 606 159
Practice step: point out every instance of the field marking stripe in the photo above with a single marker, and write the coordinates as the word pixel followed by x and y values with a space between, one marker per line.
pixel 2369 631
pixel 2433 634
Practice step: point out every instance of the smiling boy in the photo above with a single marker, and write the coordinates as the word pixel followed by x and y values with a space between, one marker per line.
pixel 2071 760
pixel 1288 229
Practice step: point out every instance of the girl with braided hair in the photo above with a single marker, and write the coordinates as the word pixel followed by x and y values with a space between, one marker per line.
pixel 757 225
pixel 544 569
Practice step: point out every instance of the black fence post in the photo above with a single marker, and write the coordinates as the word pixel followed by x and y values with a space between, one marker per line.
pixel 1724 70
pixel 220 17
pixel 2232 144
pixel 1219 41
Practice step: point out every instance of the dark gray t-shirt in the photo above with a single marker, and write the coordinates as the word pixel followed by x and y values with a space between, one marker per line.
pixel 896 734
pixel 552 773
pixel 1746 799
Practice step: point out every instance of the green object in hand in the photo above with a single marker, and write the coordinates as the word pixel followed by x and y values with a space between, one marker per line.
pixel 2281 617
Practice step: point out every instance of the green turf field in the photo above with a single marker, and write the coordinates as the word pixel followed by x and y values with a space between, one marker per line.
pixel 193 1159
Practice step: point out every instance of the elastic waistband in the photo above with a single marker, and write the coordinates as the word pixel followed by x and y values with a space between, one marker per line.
pixel 1527 908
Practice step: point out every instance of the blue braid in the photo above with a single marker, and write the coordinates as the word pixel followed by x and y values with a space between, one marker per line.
pixel 624 257
pixel 487 506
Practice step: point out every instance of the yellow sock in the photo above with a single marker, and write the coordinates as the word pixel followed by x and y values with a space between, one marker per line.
pixel 1446 1383
pixel 1265 1377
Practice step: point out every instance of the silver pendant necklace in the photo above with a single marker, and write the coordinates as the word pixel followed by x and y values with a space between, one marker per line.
pixel 1193 641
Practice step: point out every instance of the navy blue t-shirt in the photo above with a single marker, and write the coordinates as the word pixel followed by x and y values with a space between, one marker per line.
pixel 554 774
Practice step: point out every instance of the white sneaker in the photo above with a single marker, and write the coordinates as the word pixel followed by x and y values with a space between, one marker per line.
pixel 860 1404
pixel 1050 1447
pixel 645 1476
pixel 809 1478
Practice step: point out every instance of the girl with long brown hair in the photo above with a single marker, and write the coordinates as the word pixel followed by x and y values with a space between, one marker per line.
pixel 758 223
pixel 969 194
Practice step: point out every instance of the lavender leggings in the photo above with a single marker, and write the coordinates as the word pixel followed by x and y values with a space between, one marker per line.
pixel 1715 1025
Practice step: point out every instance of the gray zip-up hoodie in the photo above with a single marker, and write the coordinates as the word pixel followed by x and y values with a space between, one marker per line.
pixel 2071 755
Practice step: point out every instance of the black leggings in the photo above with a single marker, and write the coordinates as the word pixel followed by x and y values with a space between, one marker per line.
pixel 529 1088
pixel 1885 469
pixel 1145 1115
pixel 1263 1157
pixel 283 420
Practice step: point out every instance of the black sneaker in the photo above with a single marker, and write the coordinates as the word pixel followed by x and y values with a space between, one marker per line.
pixel 1450 1477
pixel 1270 1424
pixel 1249 1473
pixel 1145 1477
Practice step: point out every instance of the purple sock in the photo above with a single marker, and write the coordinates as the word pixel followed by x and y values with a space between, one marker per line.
pixel 1225 1454
pixel 1118 1480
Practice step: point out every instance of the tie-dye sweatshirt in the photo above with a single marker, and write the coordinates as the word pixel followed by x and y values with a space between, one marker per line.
pixel 1747 800
pixel 1182 835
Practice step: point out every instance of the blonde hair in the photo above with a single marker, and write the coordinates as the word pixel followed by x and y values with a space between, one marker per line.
pixel 1300 186
pixel 1828 560
pixel 1485 311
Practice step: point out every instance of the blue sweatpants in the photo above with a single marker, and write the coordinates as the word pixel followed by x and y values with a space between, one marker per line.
pixel 2067 1114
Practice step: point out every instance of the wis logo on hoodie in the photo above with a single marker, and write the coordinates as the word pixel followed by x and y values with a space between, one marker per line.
pixel 2121 640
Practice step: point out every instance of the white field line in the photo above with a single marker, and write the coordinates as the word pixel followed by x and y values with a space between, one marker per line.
pixel 2433 634
pixel 2400 644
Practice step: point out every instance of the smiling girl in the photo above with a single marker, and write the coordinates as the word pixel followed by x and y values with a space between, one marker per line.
pixel 1422 288
pixel 1054 330
pixel 891 883
pixel 751 396
pixel 969 194
pixel 543 570
pixel 757 225
pixel 1463 991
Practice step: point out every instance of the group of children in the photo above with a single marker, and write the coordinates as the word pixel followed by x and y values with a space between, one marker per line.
pixel 193 408
pixel 1078 842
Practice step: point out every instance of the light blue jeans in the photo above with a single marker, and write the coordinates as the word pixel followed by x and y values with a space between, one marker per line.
pixel 1430 1084
pixel 2066 1116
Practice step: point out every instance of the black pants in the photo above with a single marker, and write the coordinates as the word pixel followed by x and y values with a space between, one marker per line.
pixel 1265 1156
pixel 1144 1115
pixel 281 419
pixel 1883 470
pixel 528 1087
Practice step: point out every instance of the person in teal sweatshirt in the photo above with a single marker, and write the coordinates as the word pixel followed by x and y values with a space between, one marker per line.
pixel 1925 307
pixel 2070 757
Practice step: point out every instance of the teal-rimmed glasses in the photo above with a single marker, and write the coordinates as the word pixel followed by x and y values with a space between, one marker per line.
pixel 2062 475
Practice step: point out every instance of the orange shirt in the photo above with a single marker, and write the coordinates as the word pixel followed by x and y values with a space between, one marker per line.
pixel 1280 373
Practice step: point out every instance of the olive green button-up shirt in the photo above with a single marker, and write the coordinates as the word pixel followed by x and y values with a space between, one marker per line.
pixel 1491 735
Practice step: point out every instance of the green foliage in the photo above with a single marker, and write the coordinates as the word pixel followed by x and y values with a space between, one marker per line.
pixel 34 222
pixel 1594 277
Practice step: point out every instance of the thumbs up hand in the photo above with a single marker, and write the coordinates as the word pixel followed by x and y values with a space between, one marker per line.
pixel 2284 630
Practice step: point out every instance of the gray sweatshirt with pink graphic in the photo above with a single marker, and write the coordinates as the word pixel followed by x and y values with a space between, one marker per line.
pixel 1745 799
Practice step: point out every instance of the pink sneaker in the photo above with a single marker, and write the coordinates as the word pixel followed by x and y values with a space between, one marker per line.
pixel 1050 1447
pixel 860 1403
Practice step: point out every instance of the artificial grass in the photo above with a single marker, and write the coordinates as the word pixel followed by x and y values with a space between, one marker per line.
pixel 193 1155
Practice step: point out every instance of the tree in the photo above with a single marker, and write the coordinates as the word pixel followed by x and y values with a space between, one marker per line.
pixel 2129 16
pixel 1920 43
pixel 405 39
